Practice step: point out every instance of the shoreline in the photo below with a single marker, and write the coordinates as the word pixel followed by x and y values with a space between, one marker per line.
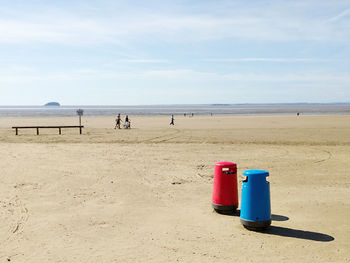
pixel 178 110
pixel 181 115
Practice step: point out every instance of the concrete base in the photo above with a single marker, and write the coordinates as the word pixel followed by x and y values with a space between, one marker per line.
pixel 256 225
pixel 224 208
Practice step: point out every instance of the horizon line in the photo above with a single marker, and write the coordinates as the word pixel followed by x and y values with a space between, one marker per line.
pixel 180 104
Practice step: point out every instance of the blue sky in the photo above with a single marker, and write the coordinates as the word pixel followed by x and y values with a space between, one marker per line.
pixel 108 52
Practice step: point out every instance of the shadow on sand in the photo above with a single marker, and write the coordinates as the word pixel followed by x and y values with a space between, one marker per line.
pixel 287 232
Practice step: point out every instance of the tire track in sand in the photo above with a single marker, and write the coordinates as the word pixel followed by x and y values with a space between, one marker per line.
pixel 163 138
pixel 329 156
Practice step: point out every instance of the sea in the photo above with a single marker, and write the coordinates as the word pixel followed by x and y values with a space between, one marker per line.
pixel 153 110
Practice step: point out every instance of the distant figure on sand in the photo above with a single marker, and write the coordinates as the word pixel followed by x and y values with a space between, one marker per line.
pixel 117 122
pixel 172 120
pixel 127 123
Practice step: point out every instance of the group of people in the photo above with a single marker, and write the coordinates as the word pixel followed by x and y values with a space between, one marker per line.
pixel 118 121
pixel 127 123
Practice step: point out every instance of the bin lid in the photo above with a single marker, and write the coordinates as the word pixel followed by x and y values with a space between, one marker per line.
pixel 255 172
pixel 225 164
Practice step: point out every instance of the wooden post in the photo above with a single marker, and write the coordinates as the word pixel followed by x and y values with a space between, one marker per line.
pixel 80 112
pixel 16 131
pixel 59 131
pixel 37 131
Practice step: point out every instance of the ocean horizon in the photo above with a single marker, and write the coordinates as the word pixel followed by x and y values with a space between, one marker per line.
pixel 177 109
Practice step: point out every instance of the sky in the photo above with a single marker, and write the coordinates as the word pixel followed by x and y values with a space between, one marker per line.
pixel 105 52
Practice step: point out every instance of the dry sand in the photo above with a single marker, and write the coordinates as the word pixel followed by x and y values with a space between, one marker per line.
pixel 144 195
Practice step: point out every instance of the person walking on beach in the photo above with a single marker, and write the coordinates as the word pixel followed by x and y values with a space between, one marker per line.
pixel 127 122
pixel 117 122
pixel 172 120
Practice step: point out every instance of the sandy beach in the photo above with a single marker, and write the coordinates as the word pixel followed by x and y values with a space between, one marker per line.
pixel 144 194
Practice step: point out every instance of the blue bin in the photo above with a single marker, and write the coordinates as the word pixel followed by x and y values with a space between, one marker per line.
pixel 255 200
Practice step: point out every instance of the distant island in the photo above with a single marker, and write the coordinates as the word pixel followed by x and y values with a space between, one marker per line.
pixel 52 104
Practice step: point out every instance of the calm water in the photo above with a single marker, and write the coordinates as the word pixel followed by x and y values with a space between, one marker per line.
pixel 246 109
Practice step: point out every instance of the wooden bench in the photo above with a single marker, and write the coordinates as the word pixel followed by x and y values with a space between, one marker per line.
pixel 46 127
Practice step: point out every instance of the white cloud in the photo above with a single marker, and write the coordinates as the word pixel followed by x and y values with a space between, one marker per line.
pixel 340 16
pixel 60 31
pixel 273 24
pixel 213 76
pixel 278 60
pixel 102 44
pixel 117 30
pixel 151 61
pixel 176 75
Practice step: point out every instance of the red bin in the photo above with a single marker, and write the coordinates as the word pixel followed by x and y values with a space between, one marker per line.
pixel 225 192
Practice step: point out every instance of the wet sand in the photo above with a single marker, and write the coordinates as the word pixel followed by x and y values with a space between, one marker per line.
pixel 144 195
